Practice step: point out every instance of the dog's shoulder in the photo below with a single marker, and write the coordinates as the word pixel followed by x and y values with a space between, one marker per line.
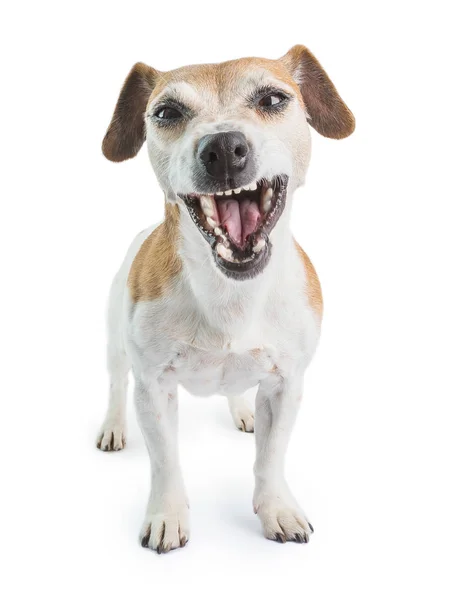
pixel 313 288
pixel 157 263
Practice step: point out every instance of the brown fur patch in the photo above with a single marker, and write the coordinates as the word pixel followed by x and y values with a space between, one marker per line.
pixel 157 261
pixel 126 132
pixel 327 113
pixel 313 289
pixel 221 77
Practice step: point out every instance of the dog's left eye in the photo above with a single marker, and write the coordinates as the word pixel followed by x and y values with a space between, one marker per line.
pixel 272 100
pixel 167 113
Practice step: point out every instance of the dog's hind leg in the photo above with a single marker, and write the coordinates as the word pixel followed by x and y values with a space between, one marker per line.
pixel 242 413
pixel 113 430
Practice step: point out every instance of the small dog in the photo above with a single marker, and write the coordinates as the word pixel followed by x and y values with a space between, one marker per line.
pixel 219 297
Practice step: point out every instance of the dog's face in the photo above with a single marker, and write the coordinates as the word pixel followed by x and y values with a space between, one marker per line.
pixel 228 142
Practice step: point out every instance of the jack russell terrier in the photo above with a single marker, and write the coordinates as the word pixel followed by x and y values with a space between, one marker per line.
pixel 219 297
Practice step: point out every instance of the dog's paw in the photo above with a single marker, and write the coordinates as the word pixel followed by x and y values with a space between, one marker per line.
pixel 111 437
pixel 282 522
pixel 165 531
pixel 244 420
pixel 242 414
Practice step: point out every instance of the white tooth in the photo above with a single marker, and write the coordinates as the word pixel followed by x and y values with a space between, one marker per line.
pixel 218 231
pixel 219 193
pixel 237 190
pixel 228 192
pixel 211 222
pixel 206 202
pixel 259 245
pixel 253 186
pixel 224 252
pixel 266 200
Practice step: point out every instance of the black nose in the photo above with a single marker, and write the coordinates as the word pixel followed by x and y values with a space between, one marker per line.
pixel 225 155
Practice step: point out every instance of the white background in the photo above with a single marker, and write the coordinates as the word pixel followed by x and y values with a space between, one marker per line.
pixel 379 456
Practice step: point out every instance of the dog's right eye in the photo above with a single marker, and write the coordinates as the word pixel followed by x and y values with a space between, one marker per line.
pixel 167 113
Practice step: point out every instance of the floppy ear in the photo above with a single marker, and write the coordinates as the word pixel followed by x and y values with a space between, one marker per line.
pixel 327 113
pixel 126 132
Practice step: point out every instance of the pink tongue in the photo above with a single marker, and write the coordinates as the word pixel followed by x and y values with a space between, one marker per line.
pixel 239 218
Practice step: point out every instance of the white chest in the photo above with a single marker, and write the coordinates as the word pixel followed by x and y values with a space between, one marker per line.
pixel 204 373
pixel 222 350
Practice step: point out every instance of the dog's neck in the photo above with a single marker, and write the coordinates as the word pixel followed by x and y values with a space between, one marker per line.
pixel 228 304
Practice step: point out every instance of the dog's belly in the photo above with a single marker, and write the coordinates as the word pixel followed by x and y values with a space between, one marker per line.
pixel 204 373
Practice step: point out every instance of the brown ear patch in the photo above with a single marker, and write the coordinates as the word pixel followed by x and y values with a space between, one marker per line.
pixel 327 113
pixel 313 288
pixel 126 132
pixel 157 262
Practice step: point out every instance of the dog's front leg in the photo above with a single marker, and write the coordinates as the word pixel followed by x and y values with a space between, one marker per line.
pixel 166 524
pixel 276 408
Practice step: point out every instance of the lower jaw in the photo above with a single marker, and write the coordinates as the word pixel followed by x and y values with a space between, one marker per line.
pixel 243 270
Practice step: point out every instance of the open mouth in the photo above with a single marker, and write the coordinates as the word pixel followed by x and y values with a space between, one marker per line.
pixel 237 223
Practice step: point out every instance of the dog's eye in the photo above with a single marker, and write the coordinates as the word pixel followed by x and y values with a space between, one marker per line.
pixel 167 113
pixel 272 100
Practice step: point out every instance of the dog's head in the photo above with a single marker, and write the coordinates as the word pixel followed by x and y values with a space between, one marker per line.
pixel 228 141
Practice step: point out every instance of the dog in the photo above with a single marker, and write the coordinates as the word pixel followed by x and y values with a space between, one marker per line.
pixel 219 297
